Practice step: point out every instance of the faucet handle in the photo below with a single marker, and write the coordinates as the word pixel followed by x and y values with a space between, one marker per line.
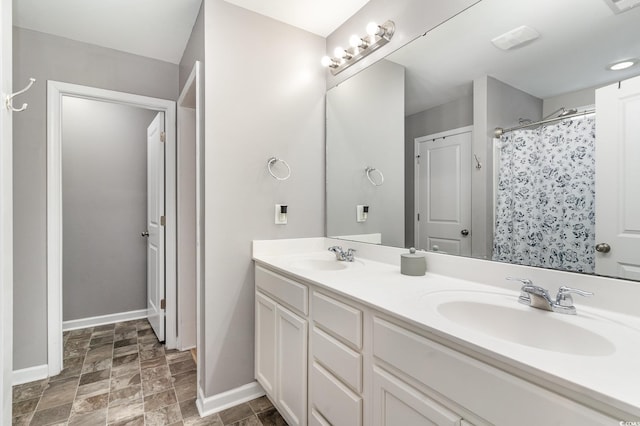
pixel 335 249
pixel 524 281
pixel 564 295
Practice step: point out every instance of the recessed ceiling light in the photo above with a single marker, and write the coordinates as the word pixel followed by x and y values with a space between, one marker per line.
pixel 622 65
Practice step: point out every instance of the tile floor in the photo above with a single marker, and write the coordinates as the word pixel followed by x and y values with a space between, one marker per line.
pixel 119 374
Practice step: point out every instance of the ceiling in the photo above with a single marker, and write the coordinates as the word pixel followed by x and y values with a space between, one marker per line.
pixel 578 39
pixel 160 29
pixel 320 17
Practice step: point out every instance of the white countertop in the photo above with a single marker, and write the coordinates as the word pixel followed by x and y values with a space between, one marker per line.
pixel 612 377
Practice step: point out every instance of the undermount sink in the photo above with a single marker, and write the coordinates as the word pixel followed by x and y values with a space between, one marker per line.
pixel 501 317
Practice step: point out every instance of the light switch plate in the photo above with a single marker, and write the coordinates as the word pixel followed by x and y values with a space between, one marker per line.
pixel 280 219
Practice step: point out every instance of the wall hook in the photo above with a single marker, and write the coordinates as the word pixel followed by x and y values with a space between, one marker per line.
pixel 9 100
pixel 478 163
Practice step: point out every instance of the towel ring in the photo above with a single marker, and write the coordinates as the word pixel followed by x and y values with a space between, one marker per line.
pixel 273 160
pixel 370 170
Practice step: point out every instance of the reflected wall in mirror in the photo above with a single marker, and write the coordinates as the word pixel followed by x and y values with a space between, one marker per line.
pixel 558 195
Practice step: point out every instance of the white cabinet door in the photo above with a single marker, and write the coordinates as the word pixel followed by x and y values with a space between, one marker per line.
pixel 397 403
pixel 265 343
pixel 291 355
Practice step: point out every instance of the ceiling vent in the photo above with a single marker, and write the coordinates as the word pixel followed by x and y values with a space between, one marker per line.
pixel 619 6
pixel 516 37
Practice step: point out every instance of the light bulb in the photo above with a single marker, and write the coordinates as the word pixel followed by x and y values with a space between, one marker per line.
pixel 355 41
pixel 373 29
pixel 339 52
pixel 326 61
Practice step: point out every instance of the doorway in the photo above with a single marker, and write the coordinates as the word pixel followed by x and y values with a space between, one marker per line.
pixel 56 93
pixel 443 192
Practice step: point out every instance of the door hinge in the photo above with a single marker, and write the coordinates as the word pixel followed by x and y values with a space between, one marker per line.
pixel 163 221
pixel 163 304
pixel 418 217
pixel 163 136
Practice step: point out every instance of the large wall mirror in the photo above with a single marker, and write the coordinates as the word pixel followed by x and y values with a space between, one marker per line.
pixel 413 158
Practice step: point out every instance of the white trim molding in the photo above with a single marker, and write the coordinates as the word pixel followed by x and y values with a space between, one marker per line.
pixel 103 319
pixel 30 374
pixel 55 92
pixel 222 401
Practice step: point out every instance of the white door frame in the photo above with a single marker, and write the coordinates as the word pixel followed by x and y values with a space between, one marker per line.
pixel 6 216
pixel 55 91
pixel 190 95
pixel 416 172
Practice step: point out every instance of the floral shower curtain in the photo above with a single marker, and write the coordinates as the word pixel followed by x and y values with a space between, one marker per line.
pixel 545 212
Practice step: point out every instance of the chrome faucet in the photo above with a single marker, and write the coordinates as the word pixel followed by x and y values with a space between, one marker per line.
pixel 538 297
pixel 346 256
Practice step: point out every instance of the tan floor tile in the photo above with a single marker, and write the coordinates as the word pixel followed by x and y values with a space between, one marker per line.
pixel 212 420
pixel 59 413
pixel 125 381
pixel 126 369
pixel 93 418
pixel 124 412
pixel 163 416
pixel 136 421
pixel 27 407
pixel 127 396
pixel 187 377
pixel 260 404
pixel 150 387
pixel 125 350
pixel 92 389
pixel 153 362
pixel 233 414
pixel 182 366
pixel 249 421
pixel 58 393
pixel 95 376
pixel 185 391
pixel 29 390
pixel 91 403
pixel 21 420
pixel 159 400
pixel 189 409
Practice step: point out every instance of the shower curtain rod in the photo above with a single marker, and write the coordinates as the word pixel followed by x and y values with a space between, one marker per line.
pixel 500 131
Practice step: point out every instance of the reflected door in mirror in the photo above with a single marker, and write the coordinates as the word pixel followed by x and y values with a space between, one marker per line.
pixel 617 179
pixel 443 192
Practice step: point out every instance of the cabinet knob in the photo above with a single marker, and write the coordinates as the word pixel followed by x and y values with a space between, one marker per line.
pixel 464 232
pixel 603 248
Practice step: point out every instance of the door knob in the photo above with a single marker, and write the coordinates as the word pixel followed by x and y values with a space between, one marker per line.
pixel 144 234
pixel 603 248
pixel 464 232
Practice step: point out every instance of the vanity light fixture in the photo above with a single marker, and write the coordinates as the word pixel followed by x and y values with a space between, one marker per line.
pixel 378 35
pixel 622 65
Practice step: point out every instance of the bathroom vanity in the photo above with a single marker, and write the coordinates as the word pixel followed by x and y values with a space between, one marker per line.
pixel 357 343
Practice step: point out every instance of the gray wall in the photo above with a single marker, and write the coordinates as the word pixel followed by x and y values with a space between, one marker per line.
pixel 449 116
pixel 104 207
pixel 412 18
pixel 266 98
pixel 365 127
pixel 496 104
pixel 194 51
pixel 570 100
pixel 48 57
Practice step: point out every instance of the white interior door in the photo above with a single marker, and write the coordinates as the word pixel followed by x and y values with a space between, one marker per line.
pixel 155 225
pixel 443 190
pixel 617 177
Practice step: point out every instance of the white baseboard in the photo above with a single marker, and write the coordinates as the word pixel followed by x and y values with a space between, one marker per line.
pixel 30 374
pixel 103 319
pixel 222 401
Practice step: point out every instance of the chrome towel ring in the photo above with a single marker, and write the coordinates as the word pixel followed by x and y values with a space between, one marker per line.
pixel 369 171
pixel 270 163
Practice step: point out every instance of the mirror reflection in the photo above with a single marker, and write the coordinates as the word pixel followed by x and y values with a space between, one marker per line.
pixel 414 159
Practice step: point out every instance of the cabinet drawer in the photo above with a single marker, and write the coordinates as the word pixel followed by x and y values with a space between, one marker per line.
pixel 342 361
pixel 478 387
pixel 338 318
pixel 334 401
pixel 291 293
pixel 316 419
